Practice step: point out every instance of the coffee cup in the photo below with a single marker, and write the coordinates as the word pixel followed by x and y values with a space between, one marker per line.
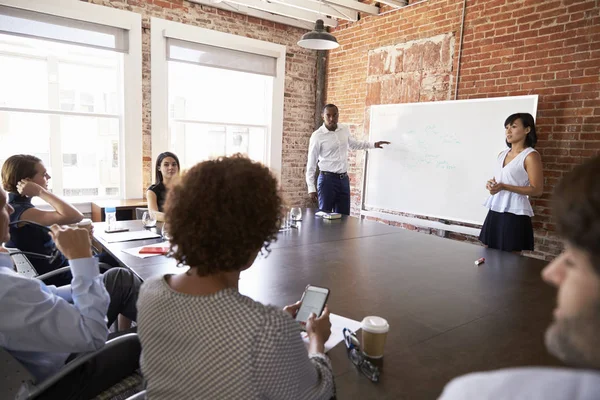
pixel 84 223
pixel 374 334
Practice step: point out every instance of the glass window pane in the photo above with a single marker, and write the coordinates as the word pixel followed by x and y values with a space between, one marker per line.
pixel 81 153
pixel 90 145
pixel 23 81
pixel 25 133
pixel 81 93
pixel 219 95
pixel 194 143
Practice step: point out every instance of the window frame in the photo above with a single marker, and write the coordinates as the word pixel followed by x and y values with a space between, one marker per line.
pixel 130 157
pixel 162 29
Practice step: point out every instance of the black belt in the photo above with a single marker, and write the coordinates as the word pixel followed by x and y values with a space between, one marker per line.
pixel 341 176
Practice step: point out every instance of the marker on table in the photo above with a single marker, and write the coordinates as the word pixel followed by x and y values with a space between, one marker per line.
pixel 480 261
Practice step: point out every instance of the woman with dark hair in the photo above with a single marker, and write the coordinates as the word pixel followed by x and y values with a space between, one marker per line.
pixel 518 175
pixel 166 169
pixel 201 337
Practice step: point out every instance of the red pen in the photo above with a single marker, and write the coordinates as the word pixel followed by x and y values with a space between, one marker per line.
pixel 480 261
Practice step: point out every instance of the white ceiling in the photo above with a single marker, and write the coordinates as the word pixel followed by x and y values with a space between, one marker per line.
pixel 302 13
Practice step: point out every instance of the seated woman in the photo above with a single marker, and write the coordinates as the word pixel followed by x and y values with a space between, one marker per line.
pixel 199 335
pixel 25 177
pixel 166 169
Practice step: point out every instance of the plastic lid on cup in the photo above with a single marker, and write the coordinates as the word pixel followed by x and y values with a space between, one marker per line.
pixel 110 209
pixel 84 222
pixel 375 324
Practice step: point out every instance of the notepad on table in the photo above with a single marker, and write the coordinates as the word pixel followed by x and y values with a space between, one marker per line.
pixel 155 249
pixel 326 215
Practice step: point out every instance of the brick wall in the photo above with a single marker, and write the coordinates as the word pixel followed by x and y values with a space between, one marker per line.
pixel 299 102
pixel 510 47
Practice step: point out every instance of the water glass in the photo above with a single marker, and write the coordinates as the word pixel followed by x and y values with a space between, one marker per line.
pixel 296 214
pixel 165 233
pixel 285 219
pixel 149 219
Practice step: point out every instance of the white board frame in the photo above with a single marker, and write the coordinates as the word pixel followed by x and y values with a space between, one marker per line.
pixel 449 226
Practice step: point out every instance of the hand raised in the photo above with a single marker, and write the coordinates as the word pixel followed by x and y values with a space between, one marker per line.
pixel 379 145
pixel 25 187
pixel 74 243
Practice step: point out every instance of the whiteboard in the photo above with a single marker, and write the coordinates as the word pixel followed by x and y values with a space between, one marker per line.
pixel 441 156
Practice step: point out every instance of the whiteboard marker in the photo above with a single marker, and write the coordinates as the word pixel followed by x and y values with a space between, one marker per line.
pixel 480 261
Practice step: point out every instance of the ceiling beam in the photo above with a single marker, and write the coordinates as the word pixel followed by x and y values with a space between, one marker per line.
pixel 320 8
pixel 286 11
pixel 257 14
pixel 355 5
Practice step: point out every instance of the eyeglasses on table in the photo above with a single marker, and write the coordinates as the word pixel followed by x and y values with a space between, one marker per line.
pixel 358 358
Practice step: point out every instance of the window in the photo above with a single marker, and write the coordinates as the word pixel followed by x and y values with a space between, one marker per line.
pixel 215 94
pixel 202 125
pixel 63 96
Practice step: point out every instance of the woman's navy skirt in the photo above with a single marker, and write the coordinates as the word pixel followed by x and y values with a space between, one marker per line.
pixel 507 231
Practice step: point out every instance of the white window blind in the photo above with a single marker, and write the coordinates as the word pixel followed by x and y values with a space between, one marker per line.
pixel 219 57
pixel 19 22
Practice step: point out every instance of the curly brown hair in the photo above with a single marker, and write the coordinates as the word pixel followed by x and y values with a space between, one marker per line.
pixel 16 168
pixel 577 208
pixel 221 212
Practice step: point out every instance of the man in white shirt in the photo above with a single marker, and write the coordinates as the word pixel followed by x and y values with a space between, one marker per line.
pixel 574 336
pixel 328 147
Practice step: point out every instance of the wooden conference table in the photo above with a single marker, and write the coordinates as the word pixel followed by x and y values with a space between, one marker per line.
pixel 447 317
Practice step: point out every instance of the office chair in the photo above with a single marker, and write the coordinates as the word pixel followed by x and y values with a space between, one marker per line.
pixel 139 212
pixel 17 383
pixel 25 268
pixel 138 396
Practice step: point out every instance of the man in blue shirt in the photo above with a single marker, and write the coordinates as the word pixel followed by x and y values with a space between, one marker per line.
pixel 39 325
pixel 574 334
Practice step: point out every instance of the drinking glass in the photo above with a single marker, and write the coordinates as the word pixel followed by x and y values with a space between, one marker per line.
pixel 296 214
pixel 149 219
pixel 285 219
pixel 165 233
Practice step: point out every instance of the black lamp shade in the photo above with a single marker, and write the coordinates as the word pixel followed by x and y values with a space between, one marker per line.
pixel 318 39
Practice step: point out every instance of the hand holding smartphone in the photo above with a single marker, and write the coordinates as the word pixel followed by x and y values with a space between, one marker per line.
pixel 313 300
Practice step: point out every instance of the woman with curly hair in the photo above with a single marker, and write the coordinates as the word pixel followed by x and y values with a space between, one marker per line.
pixel 201 338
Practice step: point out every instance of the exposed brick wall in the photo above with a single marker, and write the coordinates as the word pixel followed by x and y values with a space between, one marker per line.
pixel 510 48
pixel 299 101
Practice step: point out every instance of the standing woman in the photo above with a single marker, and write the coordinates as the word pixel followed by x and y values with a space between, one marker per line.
pixel 166 169
pixel 517 176
pixel 25 177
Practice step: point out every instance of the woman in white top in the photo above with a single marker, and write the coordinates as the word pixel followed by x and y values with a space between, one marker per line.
pixel 517 176
pixel 201 338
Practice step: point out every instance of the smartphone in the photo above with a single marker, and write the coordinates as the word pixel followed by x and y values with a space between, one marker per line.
pixel 313 301
pixel 118 230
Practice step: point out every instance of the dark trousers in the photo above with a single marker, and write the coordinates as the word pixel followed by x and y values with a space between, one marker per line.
pixel 109 367
pixel 334 192
pixel 123 287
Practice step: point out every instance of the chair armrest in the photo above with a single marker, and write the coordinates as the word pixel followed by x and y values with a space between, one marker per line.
pixel 138 396
pixel 115 346
pixel 50 274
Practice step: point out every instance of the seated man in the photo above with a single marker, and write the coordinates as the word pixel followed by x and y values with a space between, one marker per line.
pixel 575 333
pixel 40 327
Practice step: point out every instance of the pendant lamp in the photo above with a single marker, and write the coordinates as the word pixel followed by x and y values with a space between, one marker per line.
pixel 318 39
